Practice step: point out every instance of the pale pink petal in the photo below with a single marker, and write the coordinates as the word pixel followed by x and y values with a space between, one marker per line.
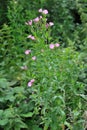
pixel 32 80
pixel 29 36
pixel 27 52
pixel 40 10
pixel 47 25
pixel 32 37
pixel 29 84
pixel 51 46
pixel 51 23
pixel 36 19
pixel 40 17
pixel 30 22
pixel 45 11
pixel 57 44
pixel 24 67
pixel 34 58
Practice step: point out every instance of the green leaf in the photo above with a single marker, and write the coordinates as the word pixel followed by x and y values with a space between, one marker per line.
pixel 3 83
pixel 12 83
pixel 20 124
pixel 30 114
pixel 8 113
pixel 1 99
pixel 18 89
pixel 68 125
pixel 1 112
pixel 10 98
pixel 3 122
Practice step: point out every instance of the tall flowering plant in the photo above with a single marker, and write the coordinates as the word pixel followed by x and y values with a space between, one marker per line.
pixel 51 74
pixel 40 28
pixel 47 94
pixel 39 37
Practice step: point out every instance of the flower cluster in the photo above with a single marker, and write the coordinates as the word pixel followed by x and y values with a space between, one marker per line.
pixel 34 58
pixel 51 46
pixel 27 52
pixel 43 11
pixel 37 19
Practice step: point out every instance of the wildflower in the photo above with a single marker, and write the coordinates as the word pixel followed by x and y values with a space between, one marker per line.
pixel 47 25
pixel 45 11
pixel 31 37
pixel 40 17
pixel 30 83
pixel 51 46
pixel 30 22
pixel 57 45
pixel 24 67
pixel 40 10
pixel 32 80
pixel 51 23
pixel 34 58
pixel 36 19
pixel 27 52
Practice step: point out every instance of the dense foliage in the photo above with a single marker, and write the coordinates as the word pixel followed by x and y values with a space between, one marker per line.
pixel 43 65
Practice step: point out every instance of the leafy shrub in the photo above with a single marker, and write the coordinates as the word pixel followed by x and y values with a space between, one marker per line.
pixel 9 51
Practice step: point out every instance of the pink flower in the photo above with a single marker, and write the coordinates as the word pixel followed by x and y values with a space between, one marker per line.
pixel 29 84
pixel 27 52
pixel 40 10
pixel 32 80
pixel 31 37
pixel 45 11
pixel 47 25
pixel 36 19
pixel 40 17
pixel 24 67
pixel 57 45
pixel 34 58
pixel 51 23
pixel 51 46
pixel 30 22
